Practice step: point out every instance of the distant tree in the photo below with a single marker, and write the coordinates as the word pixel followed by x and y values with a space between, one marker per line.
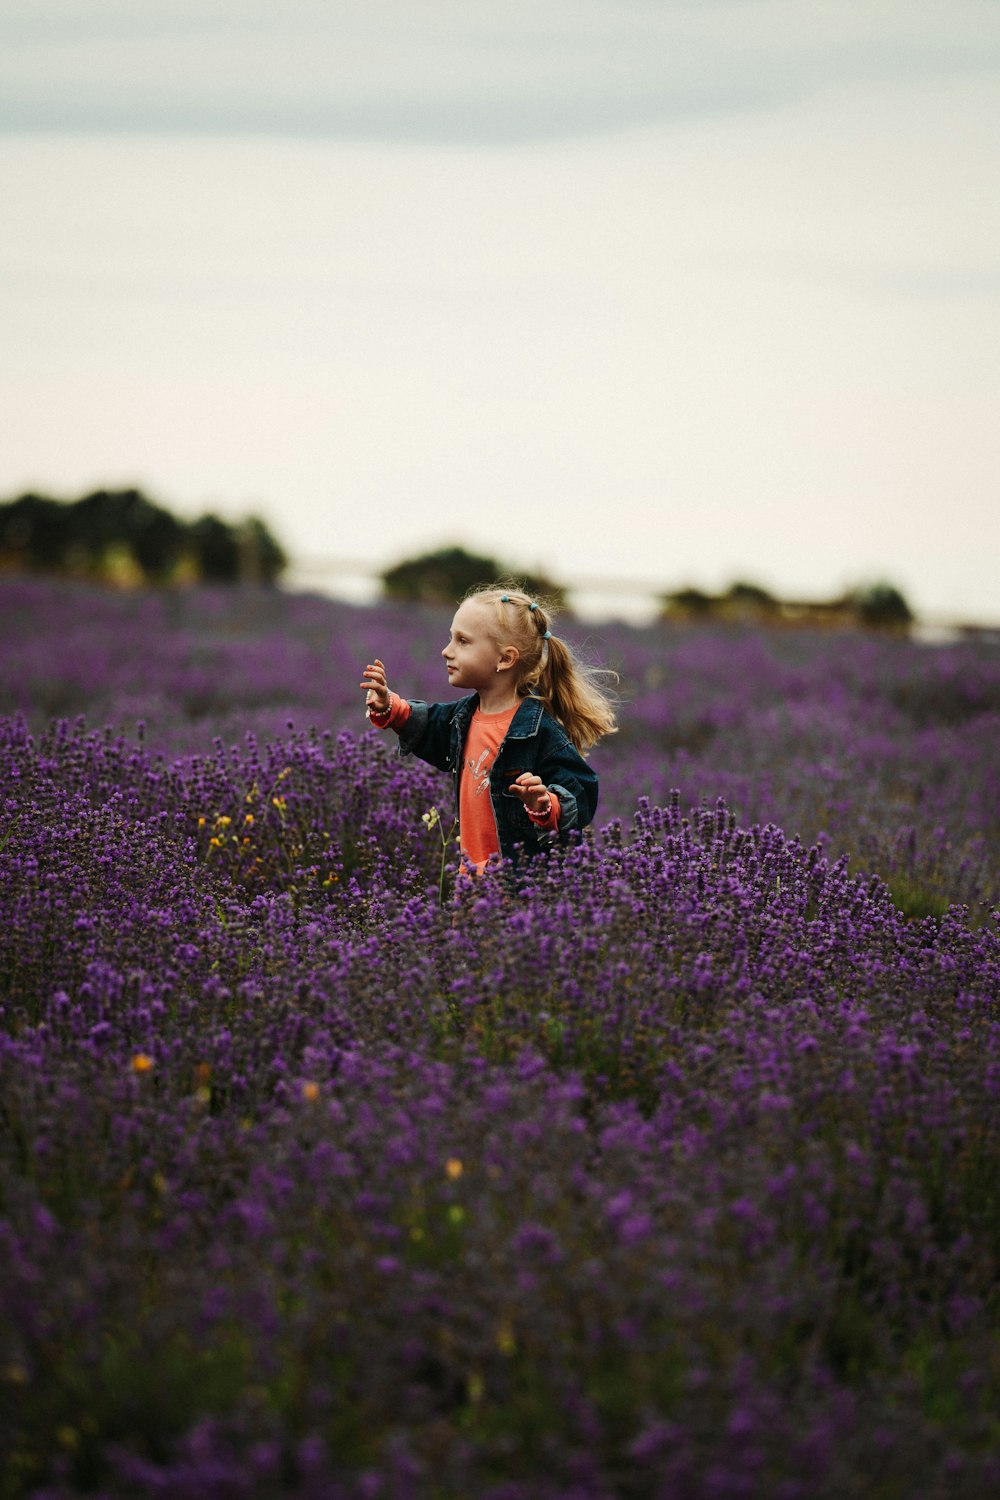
pixel 124 536
pixel 447 575
pixel 262 559
pixel 685 603
pixel 216 549
pixel 244 553
pixel 882 607
pixel 438 577
pixel 753 595
pixel 111 519
pixel 34 531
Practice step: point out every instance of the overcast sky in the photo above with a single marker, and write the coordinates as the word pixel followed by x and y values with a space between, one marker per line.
pixel 639 289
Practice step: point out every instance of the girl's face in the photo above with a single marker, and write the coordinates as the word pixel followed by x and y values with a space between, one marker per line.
pixel 472 654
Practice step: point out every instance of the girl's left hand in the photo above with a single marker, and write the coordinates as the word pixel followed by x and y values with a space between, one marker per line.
pixel 533 793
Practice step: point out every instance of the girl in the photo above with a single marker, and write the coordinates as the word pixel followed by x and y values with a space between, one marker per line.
pixel 514 744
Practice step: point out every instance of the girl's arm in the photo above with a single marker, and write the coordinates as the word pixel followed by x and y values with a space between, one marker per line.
pixel 385 710
pixel 571 782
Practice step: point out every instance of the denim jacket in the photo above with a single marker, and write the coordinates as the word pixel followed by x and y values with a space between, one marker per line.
pixel 534 742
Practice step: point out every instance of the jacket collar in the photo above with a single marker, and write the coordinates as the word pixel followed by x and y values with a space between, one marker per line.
pixel 527 720
pixel 525 723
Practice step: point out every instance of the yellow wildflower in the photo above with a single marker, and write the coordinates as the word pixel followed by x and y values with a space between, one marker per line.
pixel 141 1062
pixel 310 1092
pixel 453 1168
pixel 506 1342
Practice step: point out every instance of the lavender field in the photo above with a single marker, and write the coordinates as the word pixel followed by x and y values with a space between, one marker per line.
pixel 672 1173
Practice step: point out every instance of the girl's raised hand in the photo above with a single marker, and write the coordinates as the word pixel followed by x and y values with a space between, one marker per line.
pixel 375 686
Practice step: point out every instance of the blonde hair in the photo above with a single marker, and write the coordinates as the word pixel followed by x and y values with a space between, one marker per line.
pixel 548 669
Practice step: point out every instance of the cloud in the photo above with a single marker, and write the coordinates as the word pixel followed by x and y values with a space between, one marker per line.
pixel 465 71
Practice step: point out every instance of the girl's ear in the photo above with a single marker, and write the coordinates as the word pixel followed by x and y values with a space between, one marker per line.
pixel 509 657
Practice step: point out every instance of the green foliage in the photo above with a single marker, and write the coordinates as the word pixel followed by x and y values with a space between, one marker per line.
pixel 752 594
pixel 741 602
pixel 689 601
pixel 123 536
pixel 876 606
pixel 883 606
pixel 34 528
pixel 216 550
pixel 263 558
pixel 447 575
pixel 438 577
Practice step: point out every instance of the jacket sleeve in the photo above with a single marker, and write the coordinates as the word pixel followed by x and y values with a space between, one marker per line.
pixel 427 733
pixel 565 772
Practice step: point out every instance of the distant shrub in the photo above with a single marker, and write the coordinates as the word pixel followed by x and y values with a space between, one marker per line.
pixel 882 606
pixel 447 575
pixel 684 603
pixel 122 536
pixel 33 530
pixel 741 593
pixel 876 606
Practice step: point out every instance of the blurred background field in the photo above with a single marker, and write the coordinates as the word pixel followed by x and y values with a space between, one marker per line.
pixel 878 746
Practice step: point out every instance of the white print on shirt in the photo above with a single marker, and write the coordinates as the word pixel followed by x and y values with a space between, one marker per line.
pixel 480 768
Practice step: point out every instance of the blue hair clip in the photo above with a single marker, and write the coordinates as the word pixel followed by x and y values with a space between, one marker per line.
pixel 506 599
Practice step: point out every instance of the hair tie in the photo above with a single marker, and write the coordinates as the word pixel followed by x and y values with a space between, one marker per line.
pixel 532 605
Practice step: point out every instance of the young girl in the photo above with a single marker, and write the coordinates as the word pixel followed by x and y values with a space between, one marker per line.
pixel 514 744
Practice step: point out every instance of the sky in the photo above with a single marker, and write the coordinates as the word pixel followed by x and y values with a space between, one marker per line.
pixel 642 293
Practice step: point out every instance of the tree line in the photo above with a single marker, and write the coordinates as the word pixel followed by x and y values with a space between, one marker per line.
pixel 874 606
pixel 445 575
pixel 122 536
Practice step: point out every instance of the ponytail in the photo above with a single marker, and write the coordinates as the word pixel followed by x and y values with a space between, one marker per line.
pixel 572 694
pixel 570 690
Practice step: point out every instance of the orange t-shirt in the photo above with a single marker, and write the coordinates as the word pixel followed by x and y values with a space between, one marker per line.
pixel 476 821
